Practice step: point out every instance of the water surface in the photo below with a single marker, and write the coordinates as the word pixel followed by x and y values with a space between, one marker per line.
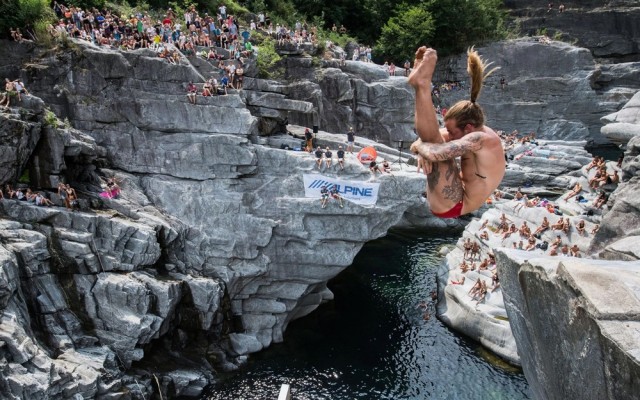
pixel 372 341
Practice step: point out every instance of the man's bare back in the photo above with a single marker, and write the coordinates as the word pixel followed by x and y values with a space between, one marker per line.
pixel 453 192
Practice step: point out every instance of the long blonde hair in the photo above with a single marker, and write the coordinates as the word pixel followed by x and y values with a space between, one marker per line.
pixel 467 112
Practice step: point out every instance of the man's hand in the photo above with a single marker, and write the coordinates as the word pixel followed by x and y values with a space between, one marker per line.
pixel 415 145
pixel 426 164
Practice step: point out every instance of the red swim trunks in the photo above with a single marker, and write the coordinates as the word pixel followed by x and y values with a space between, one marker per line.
pixel 455 212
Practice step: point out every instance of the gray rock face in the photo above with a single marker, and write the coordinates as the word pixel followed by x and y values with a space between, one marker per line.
pixel 623 125
pixel 211 250
pixel 614 240
pixel 567 323
pixel 616 24
pixel 555 103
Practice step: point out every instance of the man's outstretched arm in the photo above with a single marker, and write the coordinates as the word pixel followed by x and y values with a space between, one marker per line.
pixel 449 150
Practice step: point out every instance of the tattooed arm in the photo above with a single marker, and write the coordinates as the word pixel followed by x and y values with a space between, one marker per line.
pixel 450 150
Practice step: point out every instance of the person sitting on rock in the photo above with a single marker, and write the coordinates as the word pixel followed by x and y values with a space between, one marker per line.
pixel 557 242
pixel 484 235
pixel 503 218
pixel 531 243
pixel 386 167
pixel 574 251
pixel 40 200
pixel 484 224
pixel 9 191
pixel 580 227
pixel 319 154
pixel 482 293
pixel 484 265
pixel 492 258
pixel 518 195
pixel 524 229
pixel 20 88
pixel 495 281
pixel 543 227
pixel 192 92
pixel 565 249
pixel 599 179
pixel 30 196
pixel 335 194
pixel 328 157
pixel 512 229
pixel 340 154
pixel 324 196
pixel 601 200
pixel 566 226
pixel 613 178
pixel 207 89
pixel 475 288
pixel 558 225
pixel 593 163
pixel 374 167
pixel 464 267
pixel 574 192
pixel 595 229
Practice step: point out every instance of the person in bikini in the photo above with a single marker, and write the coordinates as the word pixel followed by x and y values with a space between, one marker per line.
pixel 453 192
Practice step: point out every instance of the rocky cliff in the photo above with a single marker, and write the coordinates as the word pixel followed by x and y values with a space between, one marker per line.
pixel 553 89
pixel 574 319
pixel 211 250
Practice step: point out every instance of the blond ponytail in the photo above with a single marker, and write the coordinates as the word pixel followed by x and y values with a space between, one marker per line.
pixel 467 112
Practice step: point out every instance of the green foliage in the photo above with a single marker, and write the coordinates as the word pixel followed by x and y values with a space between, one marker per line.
pixel 403 34
pixel 23 14
pixel 460 23
pixel 327 34
pixel 50 118
pixel 268 60
pixel 449 26
pixel 24 178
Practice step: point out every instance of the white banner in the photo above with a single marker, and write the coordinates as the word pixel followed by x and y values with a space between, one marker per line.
pixel 365 193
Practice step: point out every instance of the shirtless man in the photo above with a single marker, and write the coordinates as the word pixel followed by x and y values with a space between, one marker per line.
pixel 574 251
pixel 543 227
pixel 574 192
pixel 558 225
pixel 484 235
pixel 452 193
pixel 524 229
pixel 10 91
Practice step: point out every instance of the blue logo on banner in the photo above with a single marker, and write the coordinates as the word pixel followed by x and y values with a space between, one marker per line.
pixel 351 190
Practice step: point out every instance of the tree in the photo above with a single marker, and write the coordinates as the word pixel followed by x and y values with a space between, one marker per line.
pixel 412 27
pixel 21 14
pixel 461 23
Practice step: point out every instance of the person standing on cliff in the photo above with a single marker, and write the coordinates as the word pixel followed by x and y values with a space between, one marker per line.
pixel 350 140
pixel 308 137
pixel 453 192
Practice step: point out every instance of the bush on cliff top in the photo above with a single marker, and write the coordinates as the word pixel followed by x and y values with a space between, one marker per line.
pixel 23 14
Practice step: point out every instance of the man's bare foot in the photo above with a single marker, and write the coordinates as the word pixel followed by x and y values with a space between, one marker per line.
pixel 423 67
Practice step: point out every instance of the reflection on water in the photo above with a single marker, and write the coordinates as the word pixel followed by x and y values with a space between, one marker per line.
pixel 372 341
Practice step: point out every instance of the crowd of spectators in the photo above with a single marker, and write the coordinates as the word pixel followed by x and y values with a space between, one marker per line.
pixel 142 30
